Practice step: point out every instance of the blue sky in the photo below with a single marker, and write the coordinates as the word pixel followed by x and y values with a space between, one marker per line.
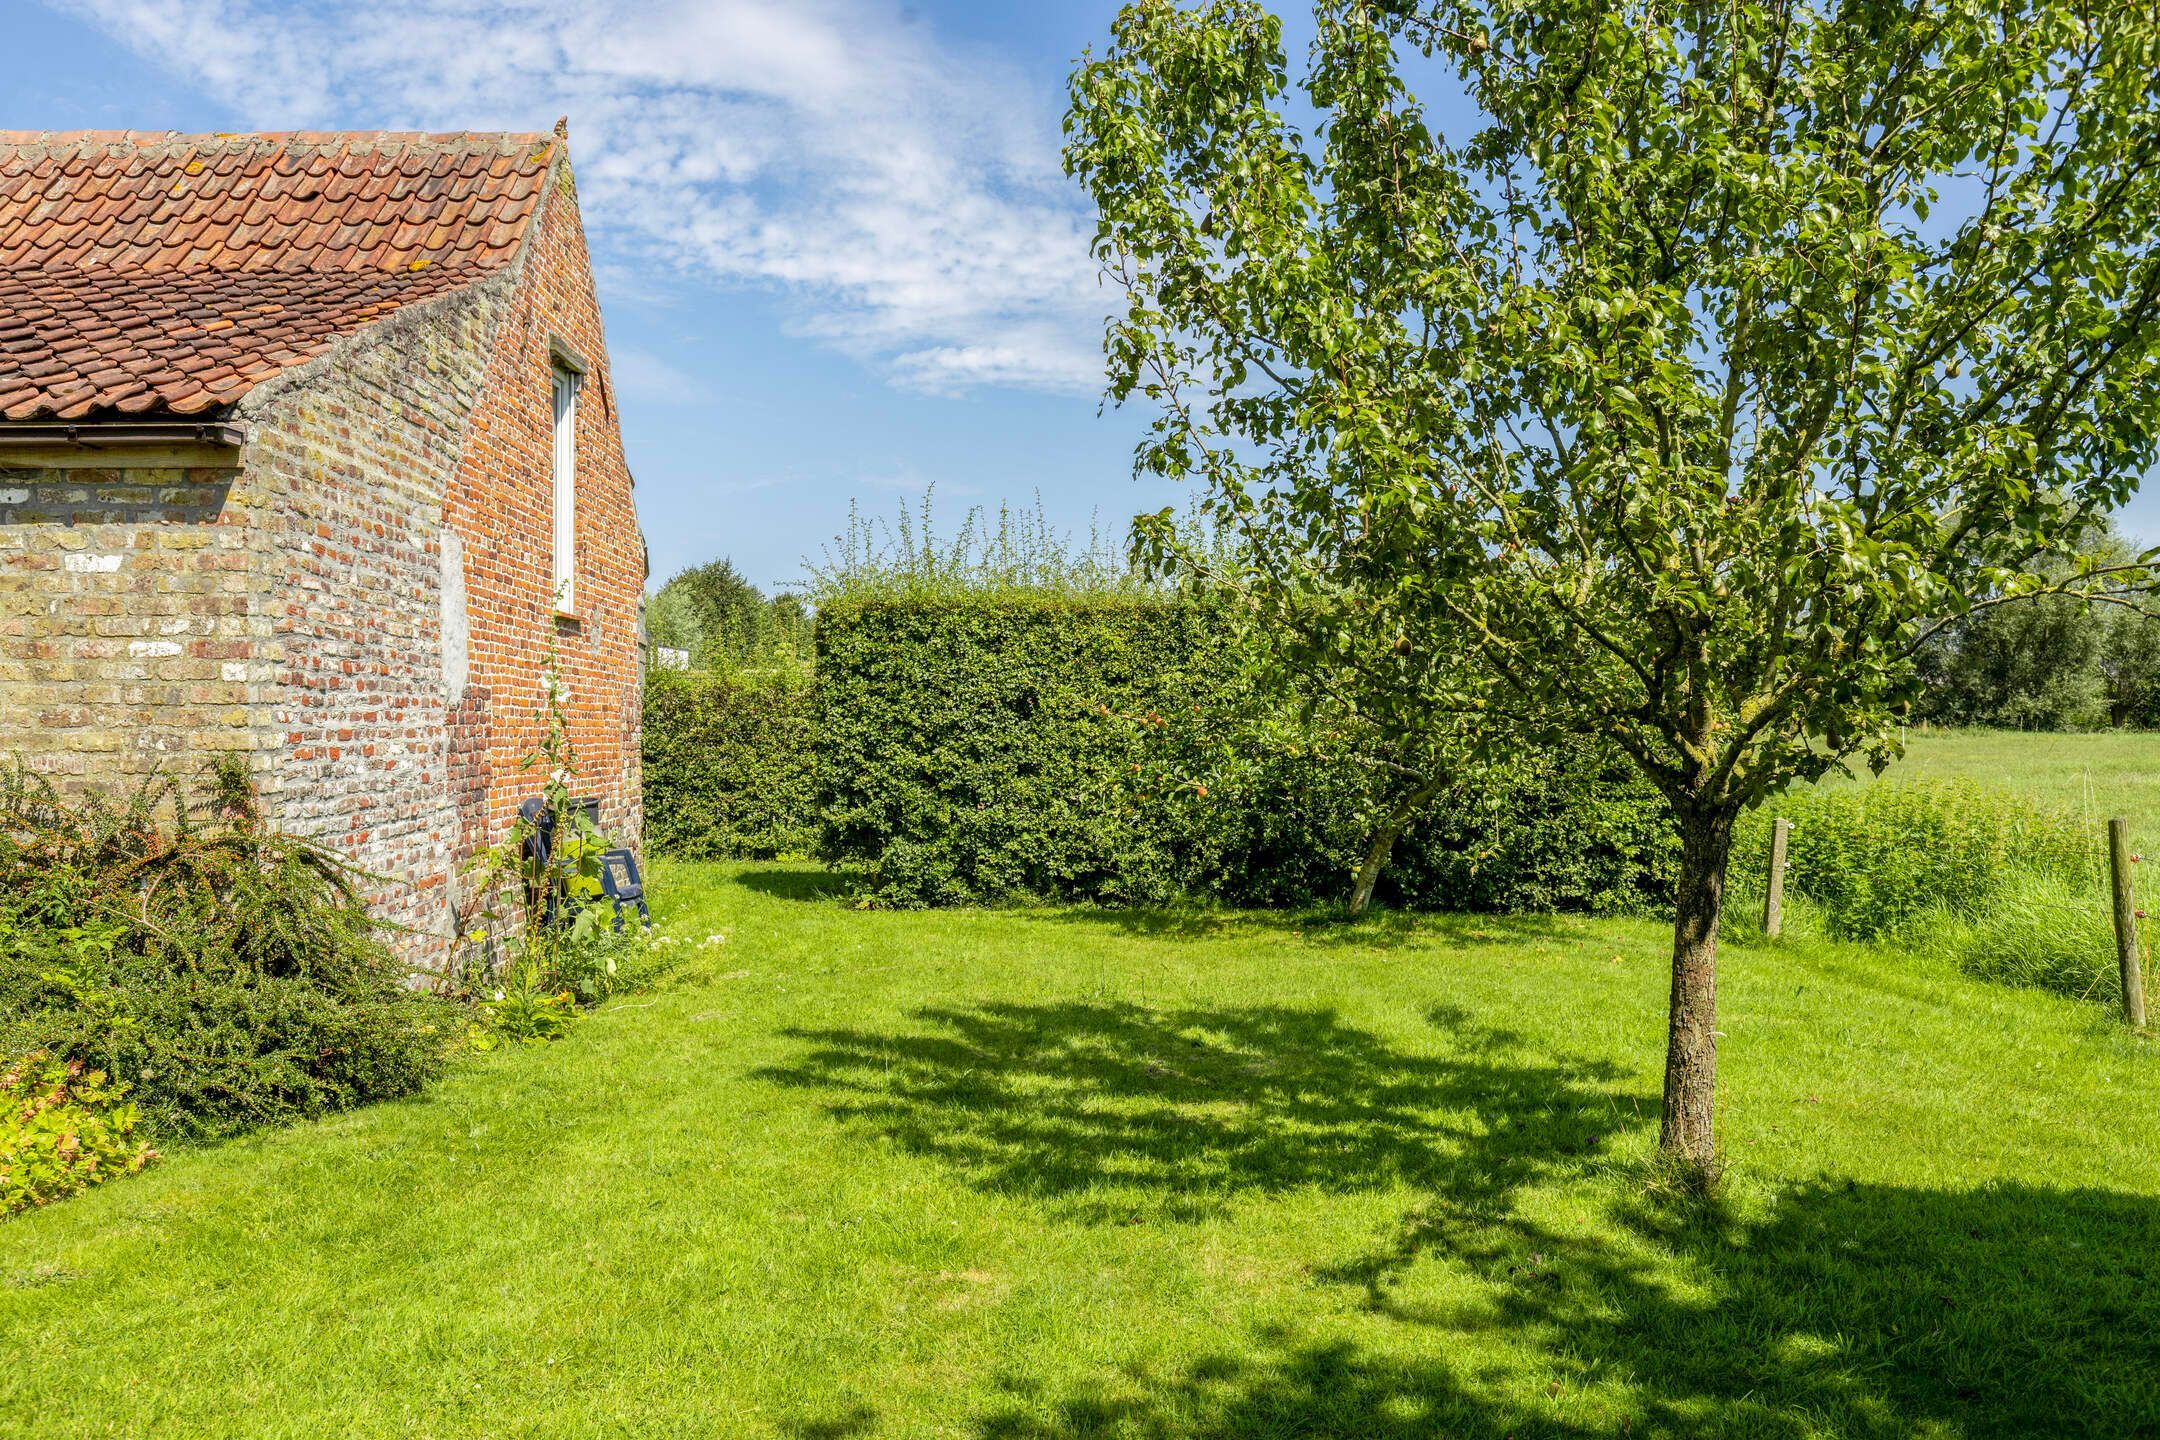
pixel 836 254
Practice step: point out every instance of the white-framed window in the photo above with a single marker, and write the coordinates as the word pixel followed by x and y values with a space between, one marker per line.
pixel 567 380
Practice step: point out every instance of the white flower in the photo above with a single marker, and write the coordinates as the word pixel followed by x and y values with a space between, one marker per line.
pixel 498 994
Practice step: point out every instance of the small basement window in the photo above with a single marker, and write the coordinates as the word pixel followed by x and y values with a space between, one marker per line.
pixel 567 380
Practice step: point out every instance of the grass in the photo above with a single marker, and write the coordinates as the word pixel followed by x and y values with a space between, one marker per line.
pixel 1022 1175
pixel 2094 776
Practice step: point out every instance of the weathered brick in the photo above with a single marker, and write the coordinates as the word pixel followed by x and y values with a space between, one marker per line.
pixel 293 606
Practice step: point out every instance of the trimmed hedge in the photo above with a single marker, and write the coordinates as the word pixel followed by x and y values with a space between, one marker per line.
pixel 971 747
pixel 980 747
pixel 728 766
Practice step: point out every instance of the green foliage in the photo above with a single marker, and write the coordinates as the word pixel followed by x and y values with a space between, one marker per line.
pixel 63 1128
pixel 2043 931
pixel 537 939
pixel 2056 662
pixel 1568 828
pixel 524 1010
pixel 1650 390
pixel 2130 668
pixel 228 974
pixel 1675 399
pixel 1012 743
pixel 1017 552
pixel 728 764
pixel 725 622
pixel 972 748
pixel 1876 859
pixel 2024 667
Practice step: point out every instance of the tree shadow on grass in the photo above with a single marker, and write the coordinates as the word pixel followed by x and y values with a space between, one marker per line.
pixel 1851 1310
pixel 1838 1310
pixel 1127 1110
pixel 1272 1388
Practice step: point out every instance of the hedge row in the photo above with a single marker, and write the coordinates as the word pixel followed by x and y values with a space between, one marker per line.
pixel 977 748
pixel 728 772
pixel 1019 744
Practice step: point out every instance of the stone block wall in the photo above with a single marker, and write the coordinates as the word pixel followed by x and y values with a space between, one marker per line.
pixel 134 625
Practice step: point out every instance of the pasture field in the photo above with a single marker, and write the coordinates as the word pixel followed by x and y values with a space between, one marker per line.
pixel 2096 775
pixel 1013 1175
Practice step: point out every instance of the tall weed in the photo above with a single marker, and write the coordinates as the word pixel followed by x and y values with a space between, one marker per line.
pixel 2042 933
pixel 1873 859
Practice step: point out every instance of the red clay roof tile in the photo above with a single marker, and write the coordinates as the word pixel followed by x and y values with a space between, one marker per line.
pixel 141 270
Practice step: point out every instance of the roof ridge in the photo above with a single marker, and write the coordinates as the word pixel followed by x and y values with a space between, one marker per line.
pixel 274 139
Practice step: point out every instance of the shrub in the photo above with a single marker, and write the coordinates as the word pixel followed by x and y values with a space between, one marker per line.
pixel 1009 742
pixel 63 1128
pixel 228 974
pixel 729 771
pixel 1873 858
pixel 1567 828
pixel 1562 828
pixel 971 747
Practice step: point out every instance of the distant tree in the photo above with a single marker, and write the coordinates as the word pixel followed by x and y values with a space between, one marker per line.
pixel 2130 668
pixel 2021 667
pixel 725 621
pixel 2057 662
pixel 1737 350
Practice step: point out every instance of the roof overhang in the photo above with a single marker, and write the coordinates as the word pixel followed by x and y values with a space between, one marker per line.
pixel 120 444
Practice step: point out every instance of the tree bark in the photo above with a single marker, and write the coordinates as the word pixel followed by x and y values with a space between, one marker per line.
pixel 1383 843
pixel 1689 1132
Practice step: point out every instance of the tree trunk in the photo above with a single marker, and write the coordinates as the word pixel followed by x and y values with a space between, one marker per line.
pixel 1689 1132
pixel 1376 855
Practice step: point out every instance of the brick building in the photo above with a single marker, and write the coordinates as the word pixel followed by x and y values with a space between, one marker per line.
pixel 308 449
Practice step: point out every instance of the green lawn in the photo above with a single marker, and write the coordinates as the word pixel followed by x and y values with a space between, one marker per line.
pixel 2115 773
pixel 1025 1175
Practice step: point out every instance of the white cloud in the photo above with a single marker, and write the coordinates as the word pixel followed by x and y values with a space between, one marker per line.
pixel 904 196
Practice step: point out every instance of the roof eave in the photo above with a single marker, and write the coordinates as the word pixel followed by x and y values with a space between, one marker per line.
pixel 122 443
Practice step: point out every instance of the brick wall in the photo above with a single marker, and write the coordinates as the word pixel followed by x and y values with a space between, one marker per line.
pixel 502 507
pixel 354 455
pixel 134 632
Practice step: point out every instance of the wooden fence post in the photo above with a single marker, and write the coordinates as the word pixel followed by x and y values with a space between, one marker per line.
pixel 2126 945
pixel 1773 904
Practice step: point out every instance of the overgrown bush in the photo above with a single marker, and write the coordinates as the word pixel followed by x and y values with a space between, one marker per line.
pixel 63 1128
pixel 1875 858
pixel 729 768
pixel 229 974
